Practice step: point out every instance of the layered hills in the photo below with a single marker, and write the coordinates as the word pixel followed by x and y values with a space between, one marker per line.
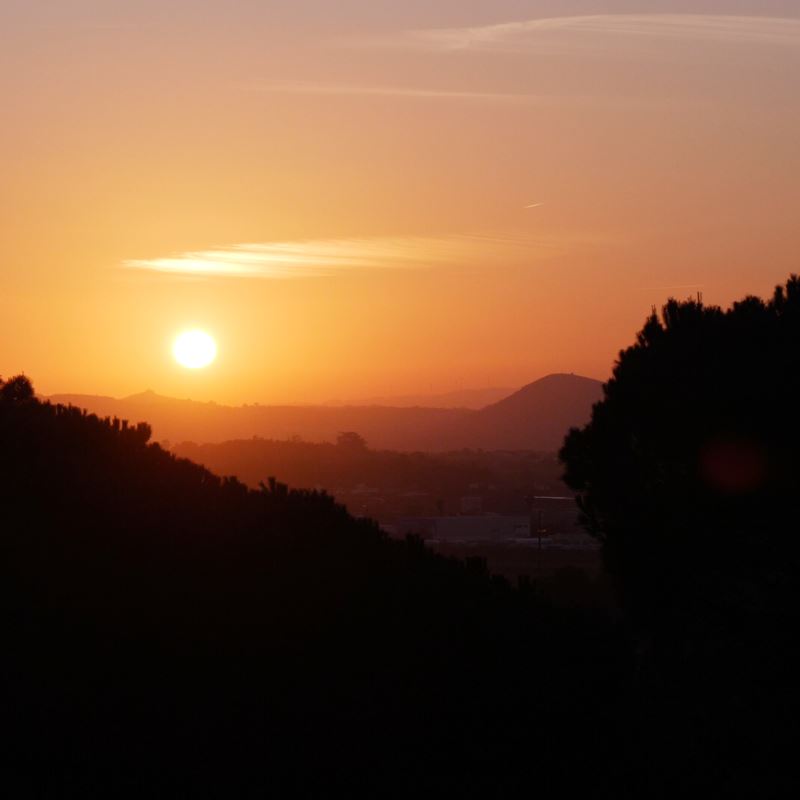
pixel 536 417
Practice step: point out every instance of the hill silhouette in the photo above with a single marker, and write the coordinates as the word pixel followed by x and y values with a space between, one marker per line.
pixel 170 629
pixel 535 418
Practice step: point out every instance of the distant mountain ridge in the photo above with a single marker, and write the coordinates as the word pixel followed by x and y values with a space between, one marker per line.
pixel 459 398
pixel 536 417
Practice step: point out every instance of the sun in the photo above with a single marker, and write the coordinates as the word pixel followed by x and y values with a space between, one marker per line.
pixel 194 349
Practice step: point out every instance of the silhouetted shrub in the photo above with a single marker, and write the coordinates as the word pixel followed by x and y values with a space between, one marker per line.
pixel 16 390
pixel 688 473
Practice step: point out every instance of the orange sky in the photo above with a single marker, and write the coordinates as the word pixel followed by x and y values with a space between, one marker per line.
pixel 377 162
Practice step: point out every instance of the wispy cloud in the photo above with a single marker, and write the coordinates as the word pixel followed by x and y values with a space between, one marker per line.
pixel 527 33
pixel 501 98
pixel 392 91
pixel 321 258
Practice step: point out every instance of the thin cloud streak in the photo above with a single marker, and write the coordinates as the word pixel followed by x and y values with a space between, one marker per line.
pixel 323 258
pixel 527 33
pixel 509 99
pixel 392 91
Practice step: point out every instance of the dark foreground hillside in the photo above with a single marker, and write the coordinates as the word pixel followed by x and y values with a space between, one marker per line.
pixel 169 632
pixel 168 628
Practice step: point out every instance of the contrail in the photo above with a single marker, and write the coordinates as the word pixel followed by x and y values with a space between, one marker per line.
pixel 534 205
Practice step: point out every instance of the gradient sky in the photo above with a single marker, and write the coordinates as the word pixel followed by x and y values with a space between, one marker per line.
pixel 338 191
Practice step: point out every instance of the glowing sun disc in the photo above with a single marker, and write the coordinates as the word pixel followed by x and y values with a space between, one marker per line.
pixel 194 349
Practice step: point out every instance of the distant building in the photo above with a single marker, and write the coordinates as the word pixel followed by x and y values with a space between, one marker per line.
pixel 554 516
pixel 483 528
pixel 471 504
pixel 551 524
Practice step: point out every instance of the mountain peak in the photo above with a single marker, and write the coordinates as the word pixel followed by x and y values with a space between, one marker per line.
pixel 562 377
pixel 147 396
pixel 539 414
pixel 553 388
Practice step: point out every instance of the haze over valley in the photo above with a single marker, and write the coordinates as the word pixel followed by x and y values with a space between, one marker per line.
pixel 535 417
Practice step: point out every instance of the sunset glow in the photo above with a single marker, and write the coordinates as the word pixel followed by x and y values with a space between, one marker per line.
pixel 383 199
